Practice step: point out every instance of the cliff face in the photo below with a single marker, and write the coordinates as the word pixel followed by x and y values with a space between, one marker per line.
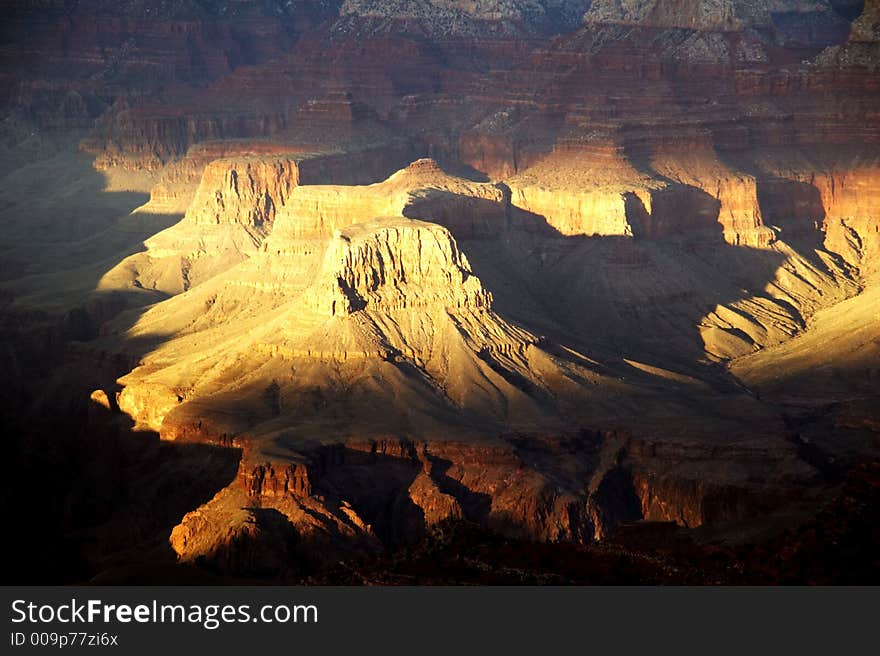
pixel 722 15
pixel 545 266
pixel 231 204
pixel 243 191
pixel 456 17
pixel 420 191
pixel 396 265
pixel 574 489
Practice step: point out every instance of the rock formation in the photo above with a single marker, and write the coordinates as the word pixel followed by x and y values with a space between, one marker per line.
pixel 549 267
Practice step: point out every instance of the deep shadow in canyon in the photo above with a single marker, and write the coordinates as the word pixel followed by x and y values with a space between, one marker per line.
pixel 529 265
pixel 84 489
pixel 836 546
pixel 87 493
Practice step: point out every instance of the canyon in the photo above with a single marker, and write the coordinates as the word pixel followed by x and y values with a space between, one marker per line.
pixel 293 287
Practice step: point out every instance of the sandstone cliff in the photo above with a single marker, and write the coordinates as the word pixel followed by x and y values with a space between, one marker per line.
pixel 232 208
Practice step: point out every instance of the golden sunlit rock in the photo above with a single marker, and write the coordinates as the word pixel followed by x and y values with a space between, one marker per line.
pixel 286 284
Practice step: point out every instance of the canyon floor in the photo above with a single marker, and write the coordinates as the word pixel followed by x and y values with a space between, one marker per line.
pixel 544 293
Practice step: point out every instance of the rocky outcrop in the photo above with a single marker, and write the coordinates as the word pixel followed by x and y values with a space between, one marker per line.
pixel 236 540
pixel 575 489
pixel 395 295
pixel 422 190
pixel 244 535
pixel 573 213
pixel 232 208
pixel 848 212
pixel 245 191
pixel 395 266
